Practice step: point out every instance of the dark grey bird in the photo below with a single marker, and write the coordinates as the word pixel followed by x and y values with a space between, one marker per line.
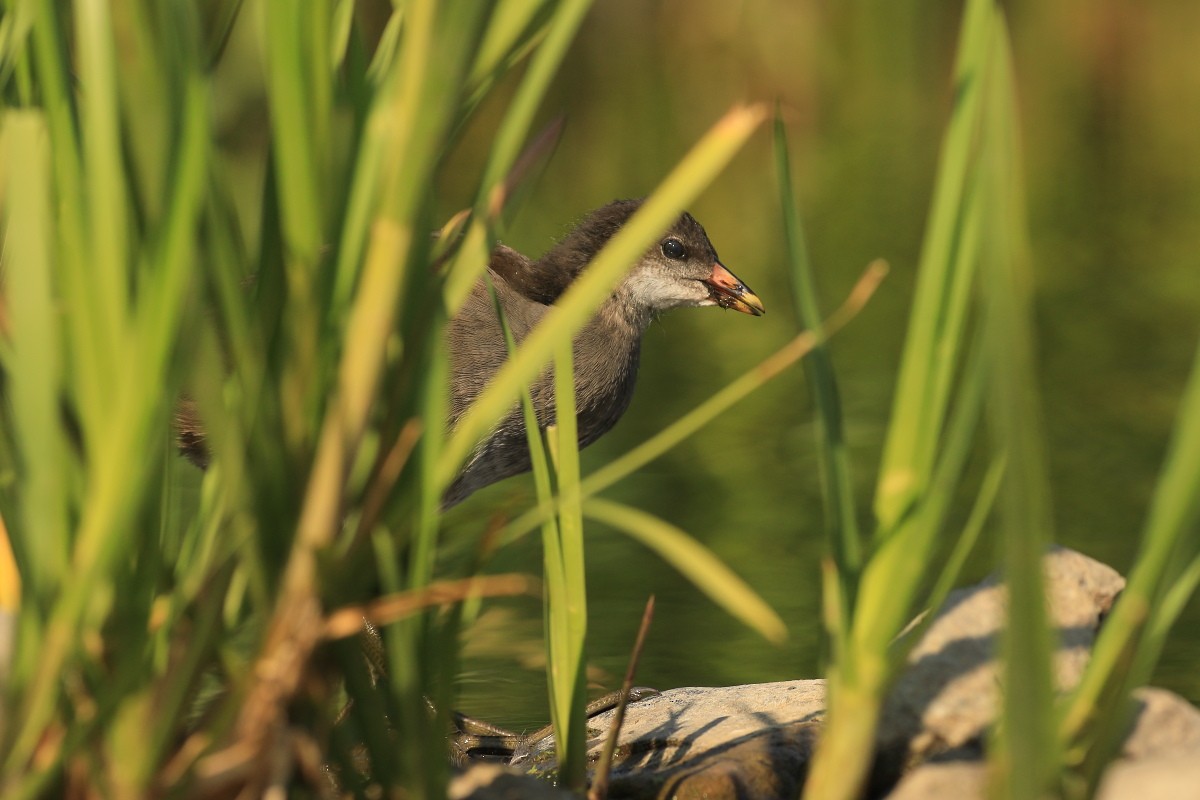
pixel 680 269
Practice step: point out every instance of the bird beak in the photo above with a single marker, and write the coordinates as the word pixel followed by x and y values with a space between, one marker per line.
pixel 727 291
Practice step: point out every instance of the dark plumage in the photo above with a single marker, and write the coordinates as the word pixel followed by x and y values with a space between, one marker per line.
pixel 681 269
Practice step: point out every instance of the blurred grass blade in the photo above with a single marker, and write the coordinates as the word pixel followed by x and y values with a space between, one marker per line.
pixel 888 593
pixel 929 523
pixel 108 253
pixel 37 364
pixel 161 309
pixel 554 457
pixel 14 36
pixel 300 75
pixel 837 482
pixel 343 623
pixel 918 410
pixel 410 112
pixel 1162 579
pixel 510 19
pixel 1025 756
pixel 695 562
pixel 217 19
pixel 908 512
pixel 510 136
pixel 968 537
pixel 568 610
pixel 434 405
pixel 119 412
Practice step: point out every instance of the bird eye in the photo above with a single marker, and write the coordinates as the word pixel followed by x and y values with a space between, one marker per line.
pixel 674 250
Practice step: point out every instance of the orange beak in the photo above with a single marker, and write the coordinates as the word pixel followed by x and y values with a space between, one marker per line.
pixel 729 292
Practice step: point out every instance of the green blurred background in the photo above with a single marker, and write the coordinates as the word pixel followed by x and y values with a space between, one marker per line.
pixel 1110 98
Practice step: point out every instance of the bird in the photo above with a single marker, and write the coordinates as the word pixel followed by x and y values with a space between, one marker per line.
pixel 680 269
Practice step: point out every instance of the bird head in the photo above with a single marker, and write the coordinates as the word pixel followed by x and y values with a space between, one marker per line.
pixel 680 269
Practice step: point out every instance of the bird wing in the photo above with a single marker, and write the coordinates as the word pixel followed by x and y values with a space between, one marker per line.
pixel 533 280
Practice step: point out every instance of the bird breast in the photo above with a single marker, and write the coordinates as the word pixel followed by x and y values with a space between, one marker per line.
pixel 605 361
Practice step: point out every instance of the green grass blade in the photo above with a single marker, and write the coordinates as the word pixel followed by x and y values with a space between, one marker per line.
pixel 1025 755
pixel 108 253
pixel 567 595
pixel 896 573
pixel 837 483
pixel 435 406
pixel 908 512
pixel 917 412
pixel 554 461
pixel 981 510
pixel 41 536
pixel 161 310
pixel 412 113
pixel 1162 579
pixel 91 370
pixel 107 528
pixel 14 38
pixel 562 557
pixel 298 65
pixel 695 562
pixel 510 20
pixel 510 138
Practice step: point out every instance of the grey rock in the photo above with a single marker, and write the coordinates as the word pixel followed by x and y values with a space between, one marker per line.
pixel 948 695
pixel 494 782
pixel 755 741
pixel 1167 778
pixel 735 741
pixel 1160 760
pixel 956 780
pixel 1164 726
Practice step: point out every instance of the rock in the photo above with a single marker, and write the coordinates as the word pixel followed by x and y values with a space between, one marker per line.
pixel 736 741
pixel 1164 726
pixel 770 764
pixel 947 697
pixel 1166 778
pixel 1160 760
pixel 960 780
pixel 494 782
pixel 755 741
